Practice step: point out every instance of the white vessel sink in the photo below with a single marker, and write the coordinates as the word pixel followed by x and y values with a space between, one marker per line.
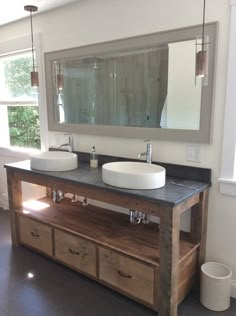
pixel 133 175
pixel 54 161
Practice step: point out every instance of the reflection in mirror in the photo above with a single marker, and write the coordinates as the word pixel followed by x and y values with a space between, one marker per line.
pixel 145 88
pixel 183 105
pixel 142 87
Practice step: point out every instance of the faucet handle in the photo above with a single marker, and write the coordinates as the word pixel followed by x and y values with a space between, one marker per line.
pixel 149 144
pixel 70 142
pixel 70 136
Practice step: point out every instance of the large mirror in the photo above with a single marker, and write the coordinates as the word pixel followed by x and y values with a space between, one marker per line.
pixel 141 87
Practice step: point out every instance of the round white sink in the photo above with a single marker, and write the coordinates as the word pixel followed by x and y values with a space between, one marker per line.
pixel 54 161
pixel 133 175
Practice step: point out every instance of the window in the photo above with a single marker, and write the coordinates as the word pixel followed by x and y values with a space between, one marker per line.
pixel 19 111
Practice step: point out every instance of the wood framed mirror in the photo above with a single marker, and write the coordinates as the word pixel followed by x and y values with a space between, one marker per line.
pixel 143 87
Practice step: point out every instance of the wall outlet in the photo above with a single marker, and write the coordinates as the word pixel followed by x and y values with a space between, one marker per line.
pixel 193 153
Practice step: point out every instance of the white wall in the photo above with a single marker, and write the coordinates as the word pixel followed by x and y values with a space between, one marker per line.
pixel 93 21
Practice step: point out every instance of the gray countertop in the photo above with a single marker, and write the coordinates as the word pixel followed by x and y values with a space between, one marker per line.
pixel 175 191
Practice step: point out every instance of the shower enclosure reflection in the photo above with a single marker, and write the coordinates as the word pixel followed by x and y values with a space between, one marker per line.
pixel 140 88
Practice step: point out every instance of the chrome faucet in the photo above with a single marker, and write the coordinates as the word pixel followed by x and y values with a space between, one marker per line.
pixel 70 144
pixel 136 217
pixel 147 153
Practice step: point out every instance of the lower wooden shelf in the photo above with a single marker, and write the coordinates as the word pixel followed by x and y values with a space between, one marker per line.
pixel 104 245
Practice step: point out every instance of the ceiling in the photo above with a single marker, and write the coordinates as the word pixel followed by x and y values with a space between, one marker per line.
pixel 12 10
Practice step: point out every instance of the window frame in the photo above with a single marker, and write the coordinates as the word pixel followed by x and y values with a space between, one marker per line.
pixel 19 45
pixel 227 179
pixel 16 102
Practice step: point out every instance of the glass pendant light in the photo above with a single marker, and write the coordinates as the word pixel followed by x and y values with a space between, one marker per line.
pixel 34 73
pixel 60 78
pixel 202 55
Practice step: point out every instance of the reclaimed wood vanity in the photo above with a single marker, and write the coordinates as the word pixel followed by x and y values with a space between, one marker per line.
pixel 154 264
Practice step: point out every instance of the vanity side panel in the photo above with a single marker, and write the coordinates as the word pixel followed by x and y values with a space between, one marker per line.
pixel 198 232
pixel 15 201
pixel 187 274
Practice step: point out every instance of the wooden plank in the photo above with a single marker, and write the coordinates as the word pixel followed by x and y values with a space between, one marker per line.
pixel 35 235
pixel 114 198
pixel 104 227
pixel 198 231
pixel 135 278
pixel 186 205
pixel 156 288
pixel 15 201
pixel 48 192
pixel 169 259
pixel 75 251
pixel 187 275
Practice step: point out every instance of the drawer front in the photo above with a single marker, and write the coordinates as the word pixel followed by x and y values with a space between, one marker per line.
pixel 36 235
pixel 76 252
pixel 127 274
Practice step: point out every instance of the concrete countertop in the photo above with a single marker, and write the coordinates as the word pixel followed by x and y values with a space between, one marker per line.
pixel 176 190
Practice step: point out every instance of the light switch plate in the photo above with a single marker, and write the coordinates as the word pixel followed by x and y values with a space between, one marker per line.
pixel 193 153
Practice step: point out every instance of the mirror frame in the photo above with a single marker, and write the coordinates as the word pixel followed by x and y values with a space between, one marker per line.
pixel 203 135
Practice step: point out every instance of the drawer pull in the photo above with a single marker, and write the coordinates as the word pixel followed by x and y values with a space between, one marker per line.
pixel 35 234
pixel 73 252
pixel 124 275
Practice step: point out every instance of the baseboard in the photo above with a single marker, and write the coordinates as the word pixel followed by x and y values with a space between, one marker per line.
pixel 233 289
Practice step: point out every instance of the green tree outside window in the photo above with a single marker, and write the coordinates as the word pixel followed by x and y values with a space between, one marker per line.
pixel 24 127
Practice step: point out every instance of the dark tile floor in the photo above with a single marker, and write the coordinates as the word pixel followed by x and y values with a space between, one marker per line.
pixel 58 291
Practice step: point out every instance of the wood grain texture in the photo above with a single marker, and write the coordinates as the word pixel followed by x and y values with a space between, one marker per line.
pixel 76 252
pixel 99 194
pixel 35 234
pixel 156 288
pixel 15 201
pixel 169 259
pixel 107 228
pixel 198 232
pixel 171 256
pixel 184 206
pixel 187 275
pixel 129 275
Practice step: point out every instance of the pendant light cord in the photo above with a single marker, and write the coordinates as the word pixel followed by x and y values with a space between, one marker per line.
pixel 32 40
pixel 203 24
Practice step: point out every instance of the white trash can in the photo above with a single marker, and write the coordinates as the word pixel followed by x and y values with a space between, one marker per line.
pixel 215 286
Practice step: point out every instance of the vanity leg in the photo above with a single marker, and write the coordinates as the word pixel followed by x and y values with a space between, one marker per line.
pixel 15 201
pixel 169 262
pixel 198 232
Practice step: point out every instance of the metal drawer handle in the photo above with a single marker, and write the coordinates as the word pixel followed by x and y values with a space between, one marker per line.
pixel 124 275
pixel 73 252
pixel 35 234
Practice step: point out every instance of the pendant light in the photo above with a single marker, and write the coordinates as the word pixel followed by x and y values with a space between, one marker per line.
pixel 202 56
pixel 60 78
pixel 34 73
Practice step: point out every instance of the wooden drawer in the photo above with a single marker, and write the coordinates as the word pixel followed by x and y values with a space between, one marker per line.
pixel 35 234
pixel 127 274
pixel 76 252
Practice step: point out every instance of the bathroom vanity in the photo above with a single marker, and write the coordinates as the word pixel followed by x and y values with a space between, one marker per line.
pixel 154 264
